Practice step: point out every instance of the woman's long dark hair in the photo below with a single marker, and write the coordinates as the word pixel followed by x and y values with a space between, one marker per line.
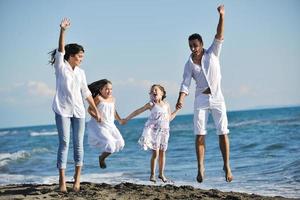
pixel 96 86
pixel 70 50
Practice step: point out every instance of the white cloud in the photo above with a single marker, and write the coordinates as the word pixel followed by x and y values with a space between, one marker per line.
pixel 245 90
pixel 25 93
pixel 39 88
pixel 170 86
pixel 241 91
pixel 133 82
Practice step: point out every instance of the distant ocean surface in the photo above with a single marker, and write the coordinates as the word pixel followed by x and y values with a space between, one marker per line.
pixel 265 155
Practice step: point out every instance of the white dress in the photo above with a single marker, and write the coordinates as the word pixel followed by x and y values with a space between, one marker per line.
pixel 105 135
pixel 156 131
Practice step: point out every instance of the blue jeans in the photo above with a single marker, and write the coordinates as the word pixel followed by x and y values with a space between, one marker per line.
pixel 63 125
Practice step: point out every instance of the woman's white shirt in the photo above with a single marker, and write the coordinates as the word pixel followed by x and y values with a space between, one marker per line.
pixel 71 89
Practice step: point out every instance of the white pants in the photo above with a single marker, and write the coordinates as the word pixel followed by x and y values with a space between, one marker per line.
pixel 219 115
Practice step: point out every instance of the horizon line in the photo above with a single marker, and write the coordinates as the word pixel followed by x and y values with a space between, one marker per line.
pixel 228 111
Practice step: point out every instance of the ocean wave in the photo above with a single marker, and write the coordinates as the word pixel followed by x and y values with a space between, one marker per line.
pixel 21 179
pixel 2 133
pixel 275 146
pixel 110 178
pixel 249 146
pixel 43 133
pixel 287 121
pixel 243 123
pixel 292 168
pixel 40 150
pixel 5 158
pixel 10 132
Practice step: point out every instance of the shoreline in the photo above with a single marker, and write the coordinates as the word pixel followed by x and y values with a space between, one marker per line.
pixel 122 191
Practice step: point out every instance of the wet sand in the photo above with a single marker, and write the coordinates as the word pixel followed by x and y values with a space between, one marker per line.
pixel 122 191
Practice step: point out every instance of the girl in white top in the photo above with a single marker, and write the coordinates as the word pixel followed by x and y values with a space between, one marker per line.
pixel 71 89
pixel 155 135
pixel 104 135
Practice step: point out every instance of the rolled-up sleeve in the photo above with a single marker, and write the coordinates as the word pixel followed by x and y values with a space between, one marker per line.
pixel 187 77
pixel 85 92
pixel 216 47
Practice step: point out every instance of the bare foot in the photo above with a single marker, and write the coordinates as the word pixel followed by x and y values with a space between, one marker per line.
pixel 102 162
pixel 163 178
pixel 200 176
pixel 76 187
pixel 228 174
pixel 152 178
pixel 63 187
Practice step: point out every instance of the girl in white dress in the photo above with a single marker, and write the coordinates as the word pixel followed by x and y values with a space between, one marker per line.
pixel 155 135
pixel 104 135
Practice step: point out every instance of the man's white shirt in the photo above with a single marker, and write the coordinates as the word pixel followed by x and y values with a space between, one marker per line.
pixel 208 74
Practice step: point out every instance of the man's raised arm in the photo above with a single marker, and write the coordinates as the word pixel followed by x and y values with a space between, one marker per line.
pixel 220 28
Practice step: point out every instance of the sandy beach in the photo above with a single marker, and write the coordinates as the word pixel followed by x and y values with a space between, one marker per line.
pixel 121 191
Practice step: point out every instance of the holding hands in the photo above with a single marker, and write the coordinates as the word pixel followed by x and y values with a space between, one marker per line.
pixel 179 104
pixel 98 116
pixel 123 121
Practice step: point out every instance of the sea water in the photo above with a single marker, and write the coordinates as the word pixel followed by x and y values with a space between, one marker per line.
pixel 264 154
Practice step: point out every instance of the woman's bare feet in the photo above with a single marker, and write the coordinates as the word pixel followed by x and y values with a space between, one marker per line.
pixel 76 187
pixel 228 174
pixel 76 184
pixel 63 189
pixel 62 186
pixel 200 176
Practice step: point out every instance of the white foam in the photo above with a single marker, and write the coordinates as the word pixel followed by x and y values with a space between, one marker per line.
pixel 2 133
pixel 5 158
pixel 43 133
pixel 21 179
pixel 244 123
pixel 118 177
pixel 40 150
pixel 110 178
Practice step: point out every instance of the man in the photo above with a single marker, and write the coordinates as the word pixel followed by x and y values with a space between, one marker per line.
pixel 204 67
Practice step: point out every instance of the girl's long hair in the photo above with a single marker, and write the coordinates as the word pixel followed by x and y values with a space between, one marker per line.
pixel 96 86
pixel 70 50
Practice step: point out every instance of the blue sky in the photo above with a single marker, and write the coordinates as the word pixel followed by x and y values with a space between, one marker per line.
pixel 136 43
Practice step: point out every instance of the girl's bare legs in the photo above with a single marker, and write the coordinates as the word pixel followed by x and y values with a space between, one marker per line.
pixel 153 165
pixel 102 159
pixel 76 186
pixel 200 151
pixel 162 159
pixel 62 181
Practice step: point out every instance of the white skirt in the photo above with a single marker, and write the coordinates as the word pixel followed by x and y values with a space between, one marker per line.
pixel 105 137
pixel 154 138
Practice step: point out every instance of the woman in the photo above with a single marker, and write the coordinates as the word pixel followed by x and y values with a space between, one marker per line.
pixel 68 105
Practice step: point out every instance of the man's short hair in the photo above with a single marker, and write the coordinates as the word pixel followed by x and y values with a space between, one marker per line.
pixel 196 36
